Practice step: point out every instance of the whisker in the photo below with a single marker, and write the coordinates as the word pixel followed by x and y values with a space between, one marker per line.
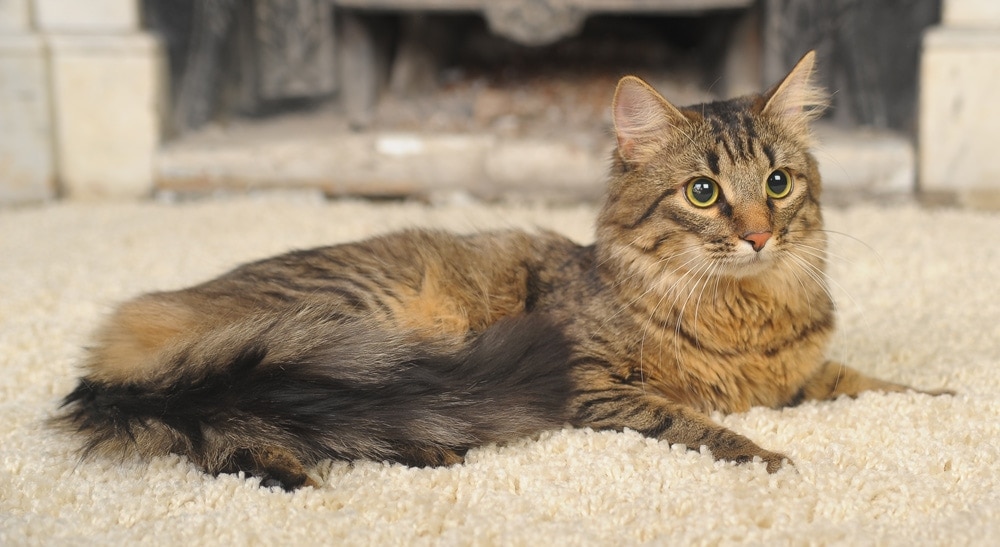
pixel 820 252
pixel 707 276
pixel 702 268
pixel 821 278
pixel 652 286
pixel 863 243
pixel 652 313
pixel 818 276
pixel 680 130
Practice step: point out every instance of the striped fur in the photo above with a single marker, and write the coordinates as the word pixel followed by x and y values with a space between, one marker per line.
pixel 417 346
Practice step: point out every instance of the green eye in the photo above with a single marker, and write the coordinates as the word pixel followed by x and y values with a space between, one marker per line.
pixel 702 192
pixel 779 184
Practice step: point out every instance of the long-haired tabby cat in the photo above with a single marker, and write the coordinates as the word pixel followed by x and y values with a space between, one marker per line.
pixel 704 290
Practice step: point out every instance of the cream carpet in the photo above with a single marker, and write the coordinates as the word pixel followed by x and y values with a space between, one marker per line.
pixel 919 301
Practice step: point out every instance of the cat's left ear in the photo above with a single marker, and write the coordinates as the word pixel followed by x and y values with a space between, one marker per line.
pixel 643 119
pixel 797 99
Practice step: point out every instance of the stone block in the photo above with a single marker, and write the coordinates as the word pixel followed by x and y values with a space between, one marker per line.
pixel 555 168
pixel 971 13
pixel 15 16
pixel 398 164
pixel 89 16
pixel 959 113
pixel 26 165
pixel 864 163
pixel 107 93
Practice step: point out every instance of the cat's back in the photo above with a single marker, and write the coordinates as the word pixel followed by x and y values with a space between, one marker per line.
pixel 409 257
pixel 424 278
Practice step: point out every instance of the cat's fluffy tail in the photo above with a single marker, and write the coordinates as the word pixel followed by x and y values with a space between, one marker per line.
pixel 269 396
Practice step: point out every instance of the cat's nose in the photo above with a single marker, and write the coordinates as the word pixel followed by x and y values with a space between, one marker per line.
pixel 757 239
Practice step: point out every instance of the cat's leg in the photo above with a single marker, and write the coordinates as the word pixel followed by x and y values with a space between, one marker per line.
pixel 274 466
pixel 653 416
pixel 834 379
pixel 429 456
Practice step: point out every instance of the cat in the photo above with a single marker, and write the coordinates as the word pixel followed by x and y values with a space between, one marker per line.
pixel 703 291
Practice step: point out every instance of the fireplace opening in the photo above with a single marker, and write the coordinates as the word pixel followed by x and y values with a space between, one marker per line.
pixel 285 86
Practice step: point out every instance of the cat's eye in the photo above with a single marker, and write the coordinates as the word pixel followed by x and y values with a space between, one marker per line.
pixel 779 184
pixel 702 192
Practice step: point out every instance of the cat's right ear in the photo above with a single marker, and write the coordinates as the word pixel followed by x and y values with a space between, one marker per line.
pixel 797 100
pixel 643 119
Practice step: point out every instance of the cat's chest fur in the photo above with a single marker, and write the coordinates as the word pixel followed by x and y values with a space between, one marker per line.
pixel 728 344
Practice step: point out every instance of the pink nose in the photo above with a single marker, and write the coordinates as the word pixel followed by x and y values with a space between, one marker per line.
pixel 757 239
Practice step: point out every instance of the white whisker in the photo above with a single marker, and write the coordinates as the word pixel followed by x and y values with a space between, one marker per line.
pixel 872 250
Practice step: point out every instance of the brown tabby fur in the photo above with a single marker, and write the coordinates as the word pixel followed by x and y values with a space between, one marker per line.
pixel 418 346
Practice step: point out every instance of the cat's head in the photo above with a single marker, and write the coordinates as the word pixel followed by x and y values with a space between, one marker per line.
pixel 727 188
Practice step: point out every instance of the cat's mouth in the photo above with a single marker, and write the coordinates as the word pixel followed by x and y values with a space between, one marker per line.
pixel 745 264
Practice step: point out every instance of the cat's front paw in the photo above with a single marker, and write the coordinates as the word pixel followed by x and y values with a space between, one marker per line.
pixel 739 449
pixel 902 388
pixel 775 461
pixel 936 392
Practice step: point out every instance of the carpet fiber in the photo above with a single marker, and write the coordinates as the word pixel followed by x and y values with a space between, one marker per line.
pixel 919 299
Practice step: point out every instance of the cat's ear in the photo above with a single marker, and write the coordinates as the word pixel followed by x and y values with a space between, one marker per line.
pixel 797 99
pixel 643 119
